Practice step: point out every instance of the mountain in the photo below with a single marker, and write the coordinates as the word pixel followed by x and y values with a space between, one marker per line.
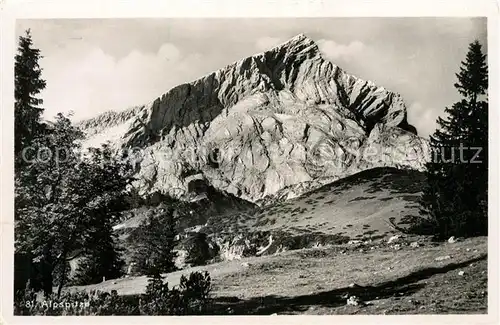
pixel 270 126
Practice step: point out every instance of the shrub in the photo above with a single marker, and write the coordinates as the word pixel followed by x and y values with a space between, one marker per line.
pixel 196 290
pixel 192 297
pixel 79 303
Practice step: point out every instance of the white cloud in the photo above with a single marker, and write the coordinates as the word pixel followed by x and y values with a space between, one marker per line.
pixel 93 81
pixel 334 51
pixel 266 43
pixel 423 118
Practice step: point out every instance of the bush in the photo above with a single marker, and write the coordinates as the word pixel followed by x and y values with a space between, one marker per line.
pixel 78 303
pixel 198 249
pixel 192 297
pixel 196 290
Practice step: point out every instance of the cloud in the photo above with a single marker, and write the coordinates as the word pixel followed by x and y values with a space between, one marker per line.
pixel 93 81
pixel 334 51
pixel 94 65
pixel 423 118
pixel 266 43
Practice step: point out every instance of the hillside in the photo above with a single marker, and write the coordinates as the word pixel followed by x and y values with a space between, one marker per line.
pixel 423 280
pixel 356 206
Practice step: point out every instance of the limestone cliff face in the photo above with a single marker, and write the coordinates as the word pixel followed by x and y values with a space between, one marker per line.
pixel 274 124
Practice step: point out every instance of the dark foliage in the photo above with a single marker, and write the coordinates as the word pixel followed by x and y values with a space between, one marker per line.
pixel 198 249
pixel 153 243
pixel 454 201
pixel 191 297
pixel 28 84
pixel 66 199
pixel 103 259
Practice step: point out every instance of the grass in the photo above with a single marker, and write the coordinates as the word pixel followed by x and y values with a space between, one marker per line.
pixel 370 198
pixel 316 281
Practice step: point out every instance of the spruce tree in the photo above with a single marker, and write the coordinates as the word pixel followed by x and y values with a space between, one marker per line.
pixel 198 249
pixel 103 258
pixel 28 84
pixel 457 177
pixel 154 241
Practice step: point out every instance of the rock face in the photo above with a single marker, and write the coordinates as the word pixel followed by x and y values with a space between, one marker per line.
pixel 272 125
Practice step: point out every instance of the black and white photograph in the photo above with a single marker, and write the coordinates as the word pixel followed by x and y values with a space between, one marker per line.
pixel 250 166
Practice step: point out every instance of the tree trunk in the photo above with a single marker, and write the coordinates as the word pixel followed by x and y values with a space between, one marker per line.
pixel 47 268
pixel 62 277
pixel 47 279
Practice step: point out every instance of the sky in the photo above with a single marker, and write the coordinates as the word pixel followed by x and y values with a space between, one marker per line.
pixel 96 65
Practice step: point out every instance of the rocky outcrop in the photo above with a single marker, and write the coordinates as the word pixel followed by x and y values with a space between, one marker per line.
pixel 274 124
pixel 260 243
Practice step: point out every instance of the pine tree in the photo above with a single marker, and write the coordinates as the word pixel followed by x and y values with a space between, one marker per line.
pixel 198 249
pixel 457 177
pixel 28 84
pixel 103 258
pixel 154 241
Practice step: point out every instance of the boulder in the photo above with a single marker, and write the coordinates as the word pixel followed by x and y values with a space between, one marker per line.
pixel 354 285
pixel 414 244
pixel 396 247
pixel 353 301
pixel 393 239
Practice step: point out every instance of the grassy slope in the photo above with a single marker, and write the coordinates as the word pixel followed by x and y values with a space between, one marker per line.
pixel 358 206
pixel 314 281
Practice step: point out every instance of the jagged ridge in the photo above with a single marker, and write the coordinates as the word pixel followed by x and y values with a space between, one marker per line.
pixel 265 115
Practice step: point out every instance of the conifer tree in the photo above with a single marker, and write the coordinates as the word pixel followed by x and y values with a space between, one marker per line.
pixel 103 258
pixel 154 241
pixel 198 249
pixel 457 177
pixel 28 84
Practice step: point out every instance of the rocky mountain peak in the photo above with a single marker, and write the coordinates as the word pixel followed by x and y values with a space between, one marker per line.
pixel 279 122
pixel 298 44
